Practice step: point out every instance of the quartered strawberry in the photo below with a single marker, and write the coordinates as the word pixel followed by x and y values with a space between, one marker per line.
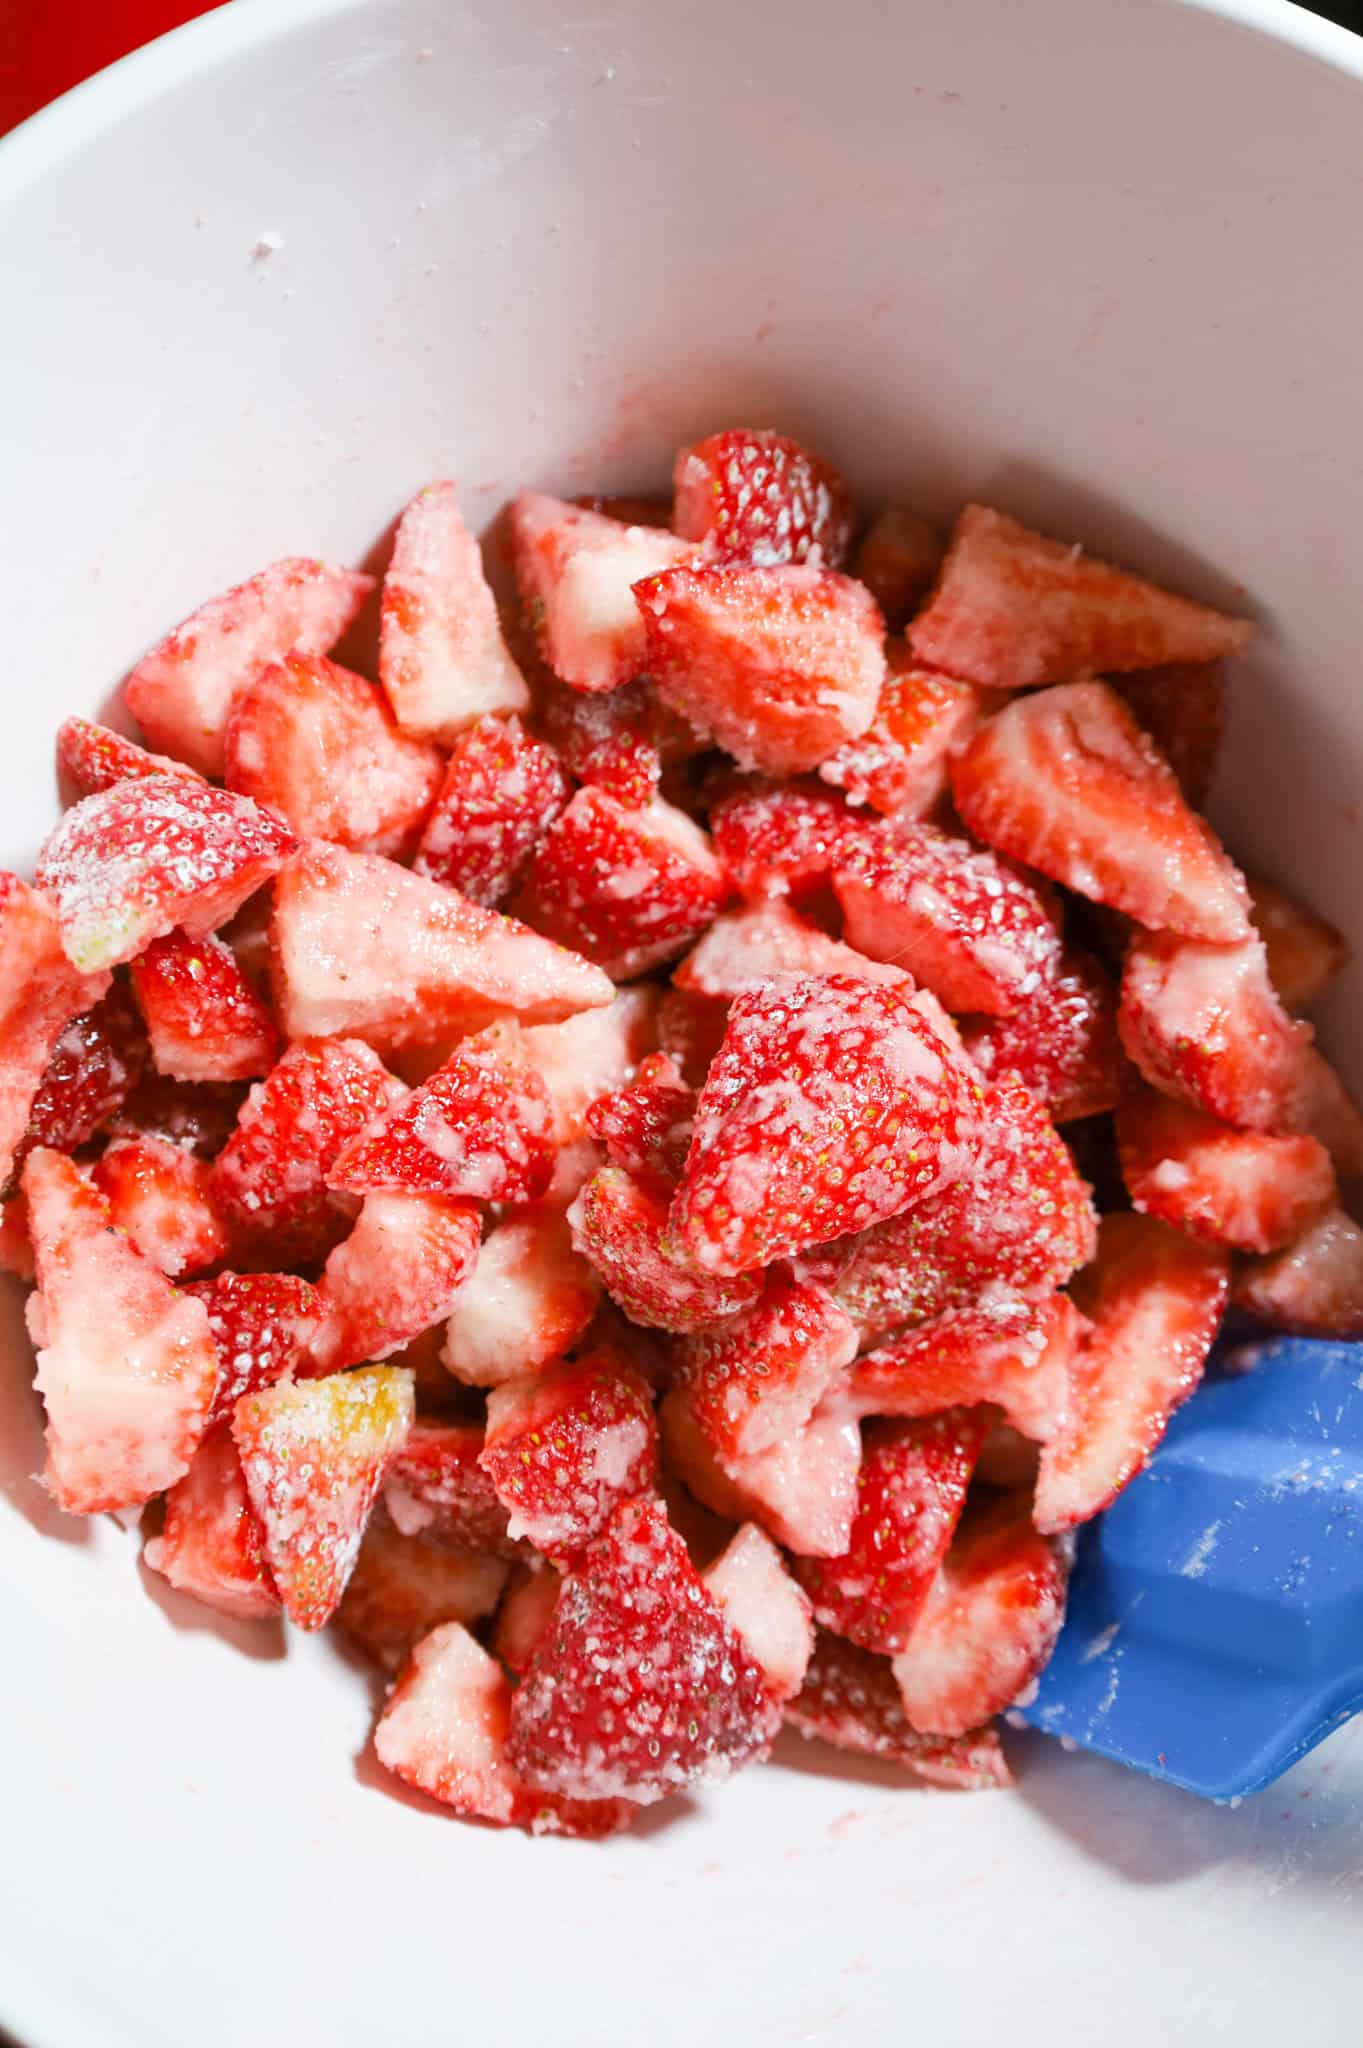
pixel 757 1379
pixel 204 1020
pixel 802 1491
pixel 1314 1287
pixel 182 691
pixel 755 496
pixel 850 1699
pixel 593 1054
pixel 641 1685
pixel 1184 710
pixel 527 1301
pixel 262 1325
pixel 41 992
pixel 780 666
pixel 646 1127
pixel 1155 1298
pixel 900 764
pixel 436 1488
pixel 130 864
pixel 318 744
pixel 619 741
pixel 620 1227
pixel 201 1115
pixel 1069 783
pixel 91 758
pixel 897 559
pixel 396 1274
pixel 525 1614
pixel 363 947
pixel 481 1126
pixel 211 1544
pixel 126 1365
pixel 1304 952
pixel 768 1609
pixel 744 947
pixel 691 1030
pixel 444 1730
pixel 565 1447
pixel 963 922
pixel 1016 1355
pixel 161 1196
pixel 576 571
pixel 402 1588
pixel 269 1180
pixel 1061 1040
pixel 988 1625
pixel 501 792
pixel 782 839
pixel 1246 1189
pixel 95 1064
pixel 1012 609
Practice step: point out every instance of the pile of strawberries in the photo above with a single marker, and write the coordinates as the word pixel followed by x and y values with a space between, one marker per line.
pixel 581 1162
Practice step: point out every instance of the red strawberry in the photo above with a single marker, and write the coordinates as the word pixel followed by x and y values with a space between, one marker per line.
pixel 160 1195
pixel 782 839
pixel 270 1178
pixel 528 1299
pixel 402 1588
pixel 1017 1356
pixel 396 1274
pixel 988 1625
pixel 620 741
pixel 641 1685
pixel 1155 1299
pixel 755 496
pixel 691 1030
pixel 900 763
pixel 361 946
pixel 757 1379
pixel 646 1128
pixel 627 889
pixel 767 1609
pixel 437 1489
pixel 592 1055
pixel 262 1326
pixel 93 1068
pixel 566 1446
pixel 212 1545
pixel 40 994
pixel 1183 708
pixel 898 559
pixel 963 922
pixel 1067 781
pixel 1061 1040
pixel 91 758
pixel 1012 609
pixel 1314 1287
pixel 619 1226
pixel 1242 1188
pixel 182 691
pixel 200 1116
pixel 126 1365
pixel 525 1614
pixel 745 947
pixel 803 1491
pixel 779 666
pixel 204 1020
pixel 502 791
pixel 850 1699
pixel 1304 952
pixel 576 571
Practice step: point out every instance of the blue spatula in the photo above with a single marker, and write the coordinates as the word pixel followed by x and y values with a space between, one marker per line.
pixel 1215 1623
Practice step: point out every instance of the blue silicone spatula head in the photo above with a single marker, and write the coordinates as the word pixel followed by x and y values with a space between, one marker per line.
pixel 1215 1624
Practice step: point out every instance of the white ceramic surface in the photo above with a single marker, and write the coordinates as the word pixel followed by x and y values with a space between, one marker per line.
pixel 1097 260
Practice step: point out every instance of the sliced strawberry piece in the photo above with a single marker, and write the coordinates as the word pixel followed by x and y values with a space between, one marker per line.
pixel 625 888
pixel 1155 1299
pixel 91 758
pixel 592 1055
pixel 850 1699
pixel 161 1196
pixel 1061 1040
pixel 565 1447
pixel 204 1020
pixel 898 559
pixel 691 1030
pixel 212 1545
pixel 40 993
pixel 619 742
pixel 525 1614
pixel 314 1455
pixel 576 571
pixel 755 496
pixel 641 1684
pixel 95 1064
pixel 782 839
pixel 201 1116
pixel 270 1178
pixel 126 1365
pixel 780 666
pixel 436 1488
pixel 182 691
pixel 767 1608
pixel 396 1274
pixel 757 1380
pixel 646 1128
pixel 1184 710
pixel 963 922
pixel 1018 1356
pixel 803 1490
pixel 1313 1288
pixel 900 764
pixel 528 1299
pixel 402 1588
pixel 748 946
pixel 620 1227
pixel 481 1126
pixel 262 1326
pixel 988 1625
pixel 361 946
pixel 1012 609
pixel 501 792
pixel 1246 1189
pixel 1304 952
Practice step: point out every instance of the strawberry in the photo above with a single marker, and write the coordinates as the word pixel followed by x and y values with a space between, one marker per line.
pixel 747 946
pixel 1061 1040
pixel 130 864
pixel 850 1699
pixel 318 745
pixel 402 1588
pixel 620 1227
pixel 363 947
pixel 757 1379
pixel 200 1116
pixel 900 764
pixel 803 1490
pixel 910 1494
pixel 262 1325
pixel 646 1128
pixel 40 994
pixel 768 1609
pixel 442 659
pixel 525 1614
pixel 1155 1299
pixel 625 888
pixel 396 1274
pixel 1012 609
pixel 564 1447
pixel 212 1545
pixel 501 792
pixel 270 1178
pixel 898 559
pixel 576 571
pixel 782 839
pixel 528 1299
pixel 160 1195
pixel 436 1488
pixel 988 1625
pixel 1067 781
pixel 1314 1287
pixel 91 758
pixel 619 742
pixel 779 666
pixel 1016 1355
pixel 641 1685
pixel 444 1730
pixel 691 1030
pixel 755 496
pixel 94 1066
pixel 1304 952
pixel 204 1020
pixel 314 1455
pixel 126 1365
pixel 481 1126
pixel 592 1055
pixel 963 922
pixel 1245 1189
pixel 1183 708
pixel 181 692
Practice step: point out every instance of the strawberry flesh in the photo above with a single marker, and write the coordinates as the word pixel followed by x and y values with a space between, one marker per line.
pixel 501 792
pixel 564 1447
pixel 211 1544
pixel 755 496
pixel 1246 1189
pixel 204 1020
pixel 850 1699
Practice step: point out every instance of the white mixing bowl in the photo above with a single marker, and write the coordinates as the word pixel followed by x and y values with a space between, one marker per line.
pixel 1098 261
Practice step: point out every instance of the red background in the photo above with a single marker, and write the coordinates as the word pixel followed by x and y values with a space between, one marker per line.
pixel 53 44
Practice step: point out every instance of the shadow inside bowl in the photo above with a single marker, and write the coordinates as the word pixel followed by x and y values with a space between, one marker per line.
pixel 22 1453
pixel 263 1639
